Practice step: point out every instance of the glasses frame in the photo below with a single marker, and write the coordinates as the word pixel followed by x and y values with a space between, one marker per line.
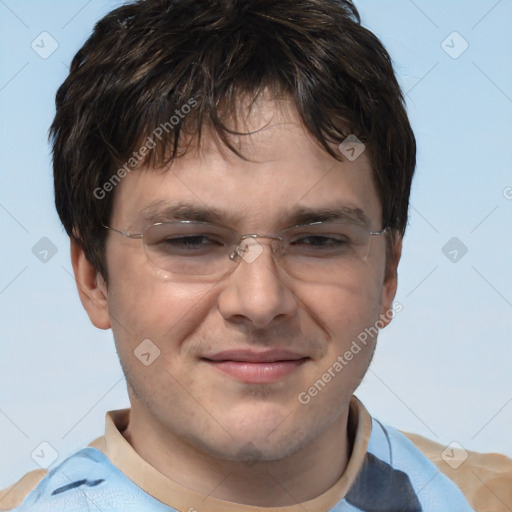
pixel 233 256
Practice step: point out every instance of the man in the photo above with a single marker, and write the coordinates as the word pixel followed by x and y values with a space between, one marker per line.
pixel 234 178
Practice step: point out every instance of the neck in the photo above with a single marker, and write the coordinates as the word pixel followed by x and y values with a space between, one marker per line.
pixel 300 477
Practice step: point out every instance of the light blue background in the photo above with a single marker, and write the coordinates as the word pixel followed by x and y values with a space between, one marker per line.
pixel 442 368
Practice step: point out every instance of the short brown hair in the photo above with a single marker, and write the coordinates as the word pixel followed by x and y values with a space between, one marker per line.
pixel 144 61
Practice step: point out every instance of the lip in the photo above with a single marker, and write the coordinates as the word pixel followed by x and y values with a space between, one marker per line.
pixel 256 367
pixel 251 356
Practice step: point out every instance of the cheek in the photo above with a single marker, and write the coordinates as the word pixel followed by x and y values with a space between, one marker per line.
pixel 345 308
pixel 347 313
pixel 143 306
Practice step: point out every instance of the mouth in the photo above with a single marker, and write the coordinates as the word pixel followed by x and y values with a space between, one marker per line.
pixel 256 367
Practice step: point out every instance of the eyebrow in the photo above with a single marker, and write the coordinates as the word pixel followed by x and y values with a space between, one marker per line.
pixel 165 211
pixel 306 215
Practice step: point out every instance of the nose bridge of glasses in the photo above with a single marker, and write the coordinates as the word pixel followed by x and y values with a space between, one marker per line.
pixel 248 248
pixel 255 235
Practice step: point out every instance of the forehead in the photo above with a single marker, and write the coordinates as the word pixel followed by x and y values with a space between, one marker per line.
pixel 284 171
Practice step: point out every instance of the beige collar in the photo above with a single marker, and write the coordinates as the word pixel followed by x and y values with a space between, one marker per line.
pixel 125 458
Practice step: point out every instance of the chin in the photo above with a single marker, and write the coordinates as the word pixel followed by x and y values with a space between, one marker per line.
pixel 265 438
pixel 252 450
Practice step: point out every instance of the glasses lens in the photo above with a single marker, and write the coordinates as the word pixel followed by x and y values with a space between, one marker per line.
pixel 325 249
pixel 188 248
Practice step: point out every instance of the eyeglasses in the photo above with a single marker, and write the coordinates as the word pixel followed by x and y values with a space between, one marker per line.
pixel 316 251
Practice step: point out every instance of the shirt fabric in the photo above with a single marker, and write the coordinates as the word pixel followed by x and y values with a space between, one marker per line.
pixel 385 472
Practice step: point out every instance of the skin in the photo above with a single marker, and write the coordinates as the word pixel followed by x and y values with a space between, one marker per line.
pixel 190 421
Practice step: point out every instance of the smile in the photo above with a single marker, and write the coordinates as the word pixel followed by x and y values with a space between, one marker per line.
pixel 256 368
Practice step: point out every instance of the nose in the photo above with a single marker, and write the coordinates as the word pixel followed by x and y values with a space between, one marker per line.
pixel 257 292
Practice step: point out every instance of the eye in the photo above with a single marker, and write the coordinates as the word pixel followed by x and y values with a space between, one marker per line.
pixel 189 244
pixel 319 245
pixel 320 241
pixel 188 241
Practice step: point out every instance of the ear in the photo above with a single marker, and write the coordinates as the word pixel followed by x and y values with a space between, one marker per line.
pixel 91 287
pixel 390 284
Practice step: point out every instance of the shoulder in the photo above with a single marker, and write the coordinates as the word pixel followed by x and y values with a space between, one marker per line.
pixel 484 478
pixel 13 495
pixel 432 489
pixel 82 482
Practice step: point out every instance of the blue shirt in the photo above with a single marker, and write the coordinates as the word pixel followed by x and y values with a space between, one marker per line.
pixel 395 476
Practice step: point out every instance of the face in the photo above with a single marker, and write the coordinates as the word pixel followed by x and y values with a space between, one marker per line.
pixel 216 383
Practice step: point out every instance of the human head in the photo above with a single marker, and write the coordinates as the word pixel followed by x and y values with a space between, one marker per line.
pixel 185 66
pixel 265 102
